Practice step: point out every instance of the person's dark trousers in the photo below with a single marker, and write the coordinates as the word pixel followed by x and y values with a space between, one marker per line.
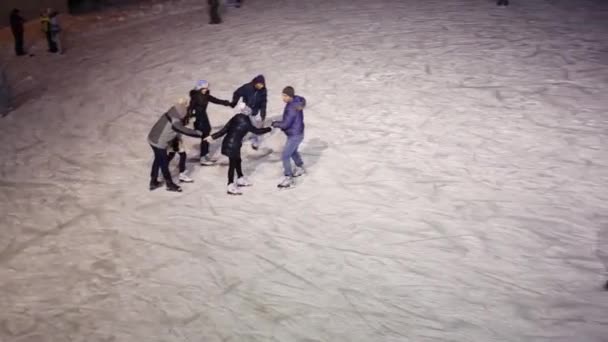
pixel 50 42
pixel 204 127
pixel 235 165
pixel 19 43
pixel 160 161
pixel 182 160
pixel 214 8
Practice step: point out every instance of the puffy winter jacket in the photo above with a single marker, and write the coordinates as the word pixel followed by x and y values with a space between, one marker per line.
pixel 254 98
pixel 169 126
pixel 235 130
pixel 293 117
pixel 198 108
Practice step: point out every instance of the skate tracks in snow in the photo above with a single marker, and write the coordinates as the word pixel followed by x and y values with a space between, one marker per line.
pixel 456 189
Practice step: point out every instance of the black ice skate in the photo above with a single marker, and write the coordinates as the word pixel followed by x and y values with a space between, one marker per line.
pixel 174 187
pixel 154 184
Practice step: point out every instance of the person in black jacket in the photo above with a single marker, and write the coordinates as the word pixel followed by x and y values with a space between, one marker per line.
pixel 254 95
pixel 235 130
pixel 17 22
pixel 214 15
pixel 199 99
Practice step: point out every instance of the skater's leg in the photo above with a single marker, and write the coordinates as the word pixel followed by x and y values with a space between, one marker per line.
pixel 291 147
pixel 161 160
pixel 257 122
pixel 155 165
pixel 170 157
pixel 182 162
pixel 19 45
pixel 237 167
pixel 206 129
pixel 231 169
pixel 297 158
pixel 57 40
pixel 51 42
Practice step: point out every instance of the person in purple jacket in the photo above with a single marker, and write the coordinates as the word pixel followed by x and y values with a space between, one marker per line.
pixel 293 126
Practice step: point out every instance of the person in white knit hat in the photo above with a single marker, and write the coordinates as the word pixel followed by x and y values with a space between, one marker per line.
pixel 234 131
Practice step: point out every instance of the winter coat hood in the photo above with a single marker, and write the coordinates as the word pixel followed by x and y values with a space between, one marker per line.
pixel 259 79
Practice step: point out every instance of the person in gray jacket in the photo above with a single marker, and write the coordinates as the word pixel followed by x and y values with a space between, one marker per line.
pixel 167 128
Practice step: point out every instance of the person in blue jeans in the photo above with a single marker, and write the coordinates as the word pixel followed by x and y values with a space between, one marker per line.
pixel 292 125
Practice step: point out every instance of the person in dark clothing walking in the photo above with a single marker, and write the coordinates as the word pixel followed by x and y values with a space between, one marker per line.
pixel 200 97
pixel 168 127
pixel 254 95
pixel 17 22
pixel 214 15
pixel 235 130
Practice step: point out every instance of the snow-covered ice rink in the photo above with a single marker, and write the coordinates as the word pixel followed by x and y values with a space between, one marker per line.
pixel 457 186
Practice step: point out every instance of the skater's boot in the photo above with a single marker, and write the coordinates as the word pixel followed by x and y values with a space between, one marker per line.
pixel 287 182
pixel 154 184
pixel 606 286
pixel 243 181
pixel 206 161
pixel 233 190
pixel 173 187
pixel 299 171
pixel 183 177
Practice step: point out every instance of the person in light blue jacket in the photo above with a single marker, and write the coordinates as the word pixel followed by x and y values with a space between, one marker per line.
pixel 292 125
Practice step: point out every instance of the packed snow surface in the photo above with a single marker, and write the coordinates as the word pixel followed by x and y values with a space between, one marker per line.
pixel 457 185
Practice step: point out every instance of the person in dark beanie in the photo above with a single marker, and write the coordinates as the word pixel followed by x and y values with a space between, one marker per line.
pixel 293 126
pixel 214 12
pixel 17 22
pixel 235 130
pixel 254 95
pixel 200 97
pixel 168 127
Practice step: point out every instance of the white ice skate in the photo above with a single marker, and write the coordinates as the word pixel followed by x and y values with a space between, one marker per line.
pixel 243 181
pixel 286 183
pixel 185 179
pixel 206 161
pixel 233 190
pixel 299 171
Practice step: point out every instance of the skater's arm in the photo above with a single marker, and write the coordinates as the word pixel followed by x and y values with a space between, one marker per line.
pixel 222 131
pixel 218 101
pixel 179 127
pixel 287 121
pixel 259 131
pixel 236 96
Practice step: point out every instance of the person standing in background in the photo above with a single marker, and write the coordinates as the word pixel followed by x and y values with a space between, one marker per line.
pixel 214 15
pixel 17 22
pixel 45 26
pixel 55 30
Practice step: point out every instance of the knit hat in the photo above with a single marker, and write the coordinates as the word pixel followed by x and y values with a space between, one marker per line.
pixel 201 84
pixel 289 91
